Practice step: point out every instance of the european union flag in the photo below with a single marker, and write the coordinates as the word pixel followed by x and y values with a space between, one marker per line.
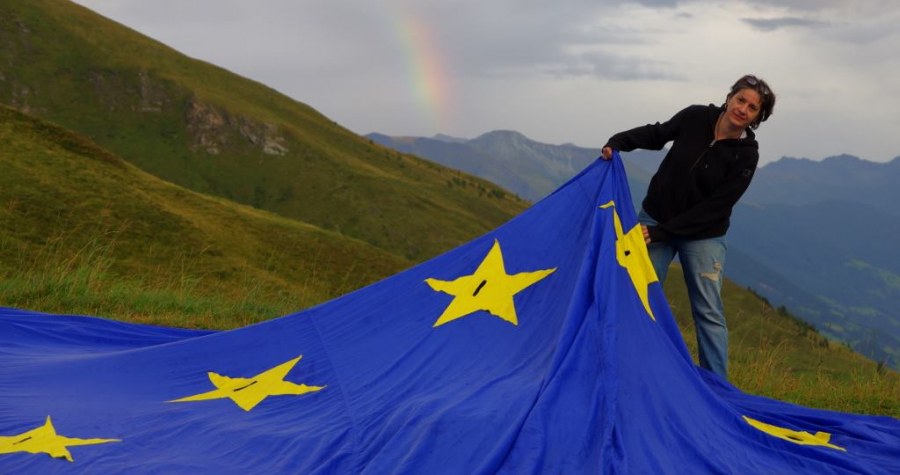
pixel 545 346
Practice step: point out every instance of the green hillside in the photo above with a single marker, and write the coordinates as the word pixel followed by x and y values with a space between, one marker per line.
pixel 206 129
pixel 83 231
pixel 774 354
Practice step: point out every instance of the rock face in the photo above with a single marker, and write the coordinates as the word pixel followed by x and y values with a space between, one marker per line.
pixel 263 135
pixel 206 127
pixel 211 128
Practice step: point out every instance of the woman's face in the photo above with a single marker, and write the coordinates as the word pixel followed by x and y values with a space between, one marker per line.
pixel 742 108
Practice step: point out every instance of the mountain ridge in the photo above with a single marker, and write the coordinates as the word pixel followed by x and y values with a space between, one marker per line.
pixel 529 168
pixel 840 177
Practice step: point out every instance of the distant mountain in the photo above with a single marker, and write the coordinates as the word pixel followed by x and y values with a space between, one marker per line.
pixel 447 138
pixel 833 263
pixel 529 168
pixel 828 227
pixel 801 181
pixel 209 130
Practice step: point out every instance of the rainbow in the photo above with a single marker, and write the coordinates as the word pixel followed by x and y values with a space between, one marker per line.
pixel 429 80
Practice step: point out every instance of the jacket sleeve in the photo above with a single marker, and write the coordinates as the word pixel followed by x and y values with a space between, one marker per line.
pixel 650 136
pixel 716 207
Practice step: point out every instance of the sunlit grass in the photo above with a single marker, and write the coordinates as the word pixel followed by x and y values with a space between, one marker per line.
pixel 85 284
pixel 82 231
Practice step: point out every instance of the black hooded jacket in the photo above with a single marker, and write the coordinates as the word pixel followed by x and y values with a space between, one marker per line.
pixel 699 181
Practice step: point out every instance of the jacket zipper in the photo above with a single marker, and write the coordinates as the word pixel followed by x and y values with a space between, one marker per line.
pixel 702 155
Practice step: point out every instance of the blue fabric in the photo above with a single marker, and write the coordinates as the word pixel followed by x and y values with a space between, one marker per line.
pixel 586 382
pixel 703 264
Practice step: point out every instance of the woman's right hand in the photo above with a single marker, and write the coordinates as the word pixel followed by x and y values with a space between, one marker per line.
pixel 606 153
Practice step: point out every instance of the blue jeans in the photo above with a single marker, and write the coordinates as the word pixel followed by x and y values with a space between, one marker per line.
pixel 702 261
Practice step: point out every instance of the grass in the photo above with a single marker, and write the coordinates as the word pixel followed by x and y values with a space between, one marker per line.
pixel 773 354
pixel 84 283
pixel 83 231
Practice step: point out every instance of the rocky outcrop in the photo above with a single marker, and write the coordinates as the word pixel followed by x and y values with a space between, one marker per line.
pixel 206 127
pixel 263 135
pixel 212 128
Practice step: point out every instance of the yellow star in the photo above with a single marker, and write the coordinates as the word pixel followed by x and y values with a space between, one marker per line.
pixel 490 289
pixel 45 440
pixel 631 253
pixel 803 438
pixel 247 393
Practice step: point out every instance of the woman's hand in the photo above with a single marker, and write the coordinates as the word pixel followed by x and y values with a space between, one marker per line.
pixel 646 234
pixel 606 153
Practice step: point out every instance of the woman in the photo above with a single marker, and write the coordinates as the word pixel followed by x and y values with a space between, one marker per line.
pixel 689 202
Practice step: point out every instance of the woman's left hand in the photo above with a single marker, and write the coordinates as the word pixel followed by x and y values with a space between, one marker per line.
pixel 606 153
pixel 646 234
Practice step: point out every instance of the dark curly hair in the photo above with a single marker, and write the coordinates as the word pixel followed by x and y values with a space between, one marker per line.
pixel 766 95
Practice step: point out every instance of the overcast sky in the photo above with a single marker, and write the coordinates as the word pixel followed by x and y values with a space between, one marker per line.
pixel 558 71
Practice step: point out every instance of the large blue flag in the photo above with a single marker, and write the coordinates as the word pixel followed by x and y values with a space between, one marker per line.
pixel 545 346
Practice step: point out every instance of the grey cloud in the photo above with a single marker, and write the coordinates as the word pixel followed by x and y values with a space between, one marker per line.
pixel 772 24
pixel 242 36
pixel 543 38
pixel 835 7
pixel 866 31
pixel 614 67
pixel 490 42
pixel 819 5
pixel 842 29
pixel 614 35
pixel 660 3
pixel 862 36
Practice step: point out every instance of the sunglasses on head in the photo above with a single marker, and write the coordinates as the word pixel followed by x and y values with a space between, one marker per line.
pixel 754 81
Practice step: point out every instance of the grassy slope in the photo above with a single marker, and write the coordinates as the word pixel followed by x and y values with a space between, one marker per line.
pixel 206 129
pixel 83 231
pixel 776 355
